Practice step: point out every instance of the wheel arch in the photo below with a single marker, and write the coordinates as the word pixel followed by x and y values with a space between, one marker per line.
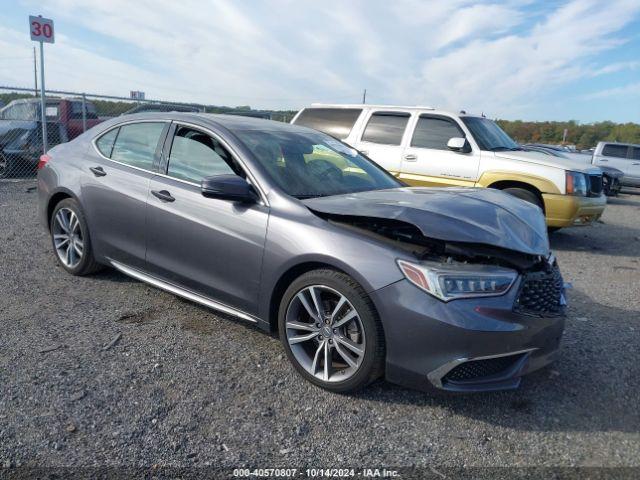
pixel 502 184
pixel 294 271
pixel 55 199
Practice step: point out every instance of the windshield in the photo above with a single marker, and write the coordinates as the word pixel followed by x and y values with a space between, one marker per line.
pixel 489 135
pixel 313 164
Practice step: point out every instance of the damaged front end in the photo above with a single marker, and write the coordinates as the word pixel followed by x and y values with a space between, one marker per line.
pixel 450 270
pixel 466 243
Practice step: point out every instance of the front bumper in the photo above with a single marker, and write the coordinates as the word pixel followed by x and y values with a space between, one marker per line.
pixel 569 210
pixel 427 340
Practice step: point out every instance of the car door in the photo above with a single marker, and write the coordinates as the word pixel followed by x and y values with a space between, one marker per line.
pixel 209 246
pixel 115 184
pixel 382 137
pixel 613 155
pixel 427 161
pixel 633 171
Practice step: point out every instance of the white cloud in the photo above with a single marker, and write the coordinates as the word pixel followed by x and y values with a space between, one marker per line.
pixel 500 57
pixel 627 92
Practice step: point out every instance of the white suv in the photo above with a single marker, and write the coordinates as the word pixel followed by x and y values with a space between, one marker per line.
pixel 427 147
pixel 623 156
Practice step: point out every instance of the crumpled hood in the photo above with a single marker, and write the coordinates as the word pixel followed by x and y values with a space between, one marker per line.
pixel 471 215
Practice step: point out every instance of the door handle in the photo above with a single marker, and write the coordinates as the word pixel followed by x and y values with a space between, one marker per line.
pixel 635 163
pixel 411 157
pixel 98 171
pixel 603 160
pixel 163 195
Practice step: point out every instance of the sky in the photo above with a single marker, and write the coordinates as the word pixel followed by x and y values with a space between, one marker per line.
pixel 520 59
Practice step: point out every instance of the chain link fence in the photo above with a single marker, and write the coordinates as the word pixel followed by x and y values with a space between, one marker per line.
pixel 69 114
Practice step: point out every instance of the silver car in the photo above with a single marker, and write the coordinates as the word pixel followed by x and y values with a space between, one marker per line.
pixel 290 229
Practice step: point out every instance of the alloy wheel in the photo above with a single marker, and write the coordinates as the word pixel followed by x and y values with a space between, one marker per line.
pixel 67 237
pixel 325 333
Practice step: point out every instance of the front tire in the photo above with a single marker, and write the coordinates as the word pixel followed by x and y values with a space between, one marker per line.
pixel 524 194
pixel 70 239
pixel 331 332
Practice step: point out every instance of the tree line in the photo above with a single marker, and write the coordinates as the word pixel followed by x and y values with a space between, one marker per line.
pixel 583 136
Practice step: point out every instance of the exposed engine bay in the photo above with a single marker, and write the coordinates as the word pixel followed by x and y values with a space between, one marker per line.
pixel 409 238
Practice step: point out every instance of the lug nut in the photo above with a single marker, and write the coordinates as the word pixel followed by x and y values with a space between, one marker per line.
pixel 318 325
pixel 319 337
pixel 335 330
pixel 330 341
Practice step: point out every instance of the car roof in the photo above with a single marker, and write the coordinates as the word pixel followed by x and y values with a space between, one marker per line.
pixel 230 122
pixel 624 144
pixel 411 108
pixel 49 100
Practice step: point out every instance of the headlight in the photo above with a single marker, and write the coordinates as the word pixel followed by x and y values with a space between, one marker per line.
pixel 448 282
pixel 576 183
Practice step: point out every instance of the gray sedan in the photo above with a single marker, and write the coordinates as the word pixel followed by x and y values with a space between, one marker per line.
pixel 296 232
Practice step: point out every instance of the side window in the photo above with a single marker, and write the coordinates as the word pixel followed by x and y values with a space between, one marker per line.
pixel 105 142
pixel 434 132
pixel 386 128
pixel 136 144
pixel 76 110
pixel 636 153
pixel 336 122
pixel 196 155
pixel 613 150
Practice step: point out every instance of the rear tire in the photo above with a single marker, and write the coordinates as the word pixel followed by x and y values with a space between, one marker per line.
pixel 71 240
pixel 347 323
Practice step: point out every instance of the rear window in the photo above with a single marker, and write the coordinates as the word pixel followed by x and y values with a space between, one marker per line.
pixel 336 122
pixel 386 128
pixel 136 144
pixel 612 150
pixel 105 142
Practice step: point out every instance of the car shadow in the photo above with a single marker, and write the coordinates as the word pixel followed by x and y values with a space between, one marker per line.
pixel 113 275
pixel 594 385
pixel 619 240
pixel 624 200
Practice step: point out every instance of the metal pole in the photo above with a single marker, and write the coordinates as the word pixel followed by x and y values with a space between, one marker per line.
pixel 35 72
pixel 84 113
pixel 43 107
pixel 364 96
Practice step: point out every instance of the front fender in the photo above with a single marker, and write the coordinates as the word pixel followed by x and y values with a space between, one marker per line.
pixel 542 184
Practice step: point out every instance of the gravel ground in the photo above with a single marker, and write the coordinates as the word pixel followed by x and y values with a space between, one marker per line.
pixel 105 370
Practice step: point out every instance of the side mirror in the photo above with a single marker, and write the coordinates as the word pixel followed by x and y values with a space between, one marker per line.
pixel 459 144
pixel 228 187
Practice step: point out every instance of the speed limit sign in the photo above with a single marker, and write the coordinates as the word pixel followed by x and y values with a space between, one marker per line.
pixel 41 29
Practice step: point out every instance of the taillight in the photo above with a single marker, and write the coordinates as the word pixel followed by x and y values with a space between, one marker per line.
pixel 43 161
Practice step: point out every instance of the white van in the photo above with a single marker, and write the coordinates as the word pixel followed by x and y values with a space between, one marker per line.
pixel 427 147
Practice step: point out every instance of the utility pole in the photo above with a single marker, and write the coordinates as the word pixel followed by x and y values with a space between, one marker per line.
pixel 364 96
pixel 35 72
